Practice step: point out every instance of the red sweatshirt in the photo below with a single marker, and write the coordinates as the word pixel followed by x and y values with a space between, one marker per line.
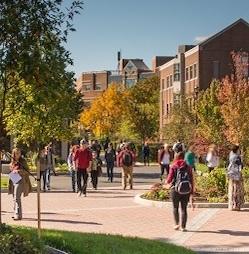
pixel 82 158
pixel 172 172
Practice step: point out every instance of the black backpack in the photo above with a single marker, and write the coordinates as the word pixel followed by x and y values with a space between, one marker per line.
pixel 182 181
pixel 178 147
pixel 127 159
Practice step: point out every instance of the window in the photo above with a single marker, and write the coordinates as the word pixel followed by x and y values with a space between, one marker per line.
pixel 177 72
pixel 167 109
pixel 98 87
pixel 167 81
pixel 162 84
pixel 163 107
pixel 87 87
pixel 187 74
pixel 130 82
pixel 170 106
pixel 171 80
pixel 195 70
pixel 191 72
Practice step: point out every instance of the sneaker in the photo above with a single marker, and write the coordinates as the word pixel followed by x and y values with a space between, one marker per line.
pixel 183 229
pixel 176 227
pixel 124 187
pixel 79 193
pixel 131 187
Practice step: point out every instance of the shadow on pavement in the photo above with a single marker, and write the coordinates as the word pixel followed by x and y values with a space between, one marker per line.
pixel 223 232
pixel 65 221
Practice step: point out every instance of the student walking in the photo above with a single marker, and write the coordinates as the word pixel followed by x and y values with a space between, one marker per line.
pixel 181 182
pixel 110 158
pixel 95 169
pixel 212 158
pixel 190 158
pixel 178 146
pixel 41 162
pixel 235 185
pixel 126 159
pixel 19 166
pixel 50 164
pixel 71 166
pixel 146 153
pixel 164 160
pixel 83 163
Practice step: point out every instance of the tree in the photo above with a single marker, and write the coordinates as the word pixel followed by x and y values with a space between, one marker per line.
pixel 234 97
pixel 104 116
pixel 210 119
pixel 33 64
pixel 143 108
pixel 181 124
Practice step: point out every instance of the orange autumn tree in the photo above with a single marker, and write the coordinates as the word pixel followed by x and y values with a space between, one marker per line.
pixel 234 98
pixel 105 113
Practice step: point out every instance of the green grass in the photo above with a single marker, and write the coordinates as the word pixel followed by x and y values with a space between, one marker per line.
pixel 4 182
pixel 84 243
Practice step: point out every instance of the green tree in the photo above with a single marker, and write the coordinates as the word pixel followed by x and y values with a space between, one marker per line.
pixel 210 119
pixel 35 85
pixel 181 124
pixel 143 108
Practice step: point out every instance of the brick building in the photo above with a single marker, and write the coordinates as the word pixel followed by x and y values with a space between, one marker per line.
pixel 92 84
pixel 195 66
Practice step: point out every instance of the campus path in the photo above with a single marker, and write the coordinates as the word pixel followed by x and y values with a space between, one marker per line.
pixel 112 210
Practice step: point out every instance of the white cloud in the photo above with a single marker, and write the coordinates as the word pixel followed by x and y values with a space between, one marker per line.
pixel 199 39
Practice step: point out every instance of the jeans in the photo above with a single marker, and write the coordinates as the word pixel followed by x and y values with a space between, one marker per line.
pixel 164 167
pixel 94 176
pixel 73 176
pixel 109 168
pixel 82 173
pixel 18 189
pixel 177 199
pixel 146 160
pixel 43 177
pixel 48 173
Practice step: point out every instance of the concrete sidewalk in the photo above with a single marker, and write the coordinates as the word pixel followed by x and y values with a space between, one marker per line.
pixel 112 210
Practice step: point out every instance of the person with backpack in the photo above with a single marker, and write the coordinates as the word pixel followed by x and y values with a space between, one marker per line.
pixel 126 159
pixel 110 158
pixel 235 184
pixel 181 182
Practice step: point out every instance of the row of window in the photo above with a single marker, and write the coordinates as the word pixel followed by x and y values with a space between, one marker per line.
pixel 89 87
pixel 169 82
pixel 191 72
pixel 166 110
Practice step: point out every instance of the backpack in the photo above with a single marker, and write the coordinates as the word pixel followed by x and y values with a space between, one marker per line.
pixel 127 159
pixel 178 147
pixel 182 181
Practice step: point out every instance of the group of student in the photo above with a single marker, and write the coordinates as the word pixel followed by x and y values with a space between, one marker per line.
pixel 84 159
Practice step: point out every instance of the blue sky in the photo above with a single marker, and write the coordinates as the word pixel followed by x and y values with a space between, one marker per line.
pixel 145 28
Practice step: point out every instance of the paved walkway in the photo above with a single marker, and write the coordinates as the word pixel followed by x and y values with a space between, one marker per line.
pixel 112 210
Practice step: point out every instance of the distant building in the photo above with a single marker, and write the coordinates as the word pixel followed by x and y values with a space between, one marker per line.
pixel 195 66
pixel 129 72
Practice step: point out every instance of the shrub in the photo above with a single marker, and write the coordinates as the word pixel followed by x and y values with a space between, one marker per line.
pixel 213 186
pixel 14 243
pixel 157 192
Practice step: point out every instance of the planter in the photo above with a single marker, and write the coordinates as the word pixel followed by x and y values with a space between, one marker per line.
pixel 166 204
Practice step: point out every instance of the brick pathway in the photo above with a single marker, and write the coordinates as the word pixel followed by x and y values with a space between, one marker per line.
pixel 112 210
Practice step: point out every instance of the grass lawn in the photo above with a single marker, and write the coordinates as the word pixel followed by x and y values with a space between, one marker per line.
pixel 83 243
pixel 4 182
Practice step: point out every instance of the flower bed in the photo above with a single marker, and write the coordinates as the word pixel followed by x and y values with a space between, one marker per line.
pixel 209 187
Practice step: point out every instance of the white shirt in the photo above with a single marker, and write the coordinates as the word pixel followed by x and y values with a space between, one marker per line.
pixel 213 160
pixel 166 159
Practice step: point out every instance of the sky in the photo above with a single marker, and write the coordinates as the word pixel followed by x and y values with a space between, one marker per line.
pixel 145 28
